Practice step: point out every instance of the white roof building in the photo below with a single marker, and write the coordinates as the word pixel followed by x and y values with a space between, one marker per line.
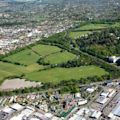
pixel 17 107
pixel 55 118
pixel 90 90
pixel 96 114
pixel 82 102
pixel 82 111
pixel 25 113
pixel 48 115
pixel 105 94
pixel 8 110
pixel 113 59
pixel 77 95
pixel 112 93
pixel 102 99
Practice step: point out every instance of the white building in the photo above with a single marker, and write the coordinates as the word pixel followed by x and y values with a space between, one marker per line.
pixel 113 59
pixel 82 102
pixel 96 114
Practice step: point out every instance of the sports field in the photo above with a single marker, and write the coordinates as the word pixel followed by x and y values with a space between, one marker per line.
pixel 51 54
pixel 89 28
pixel 59 57
pixel 7 69
pixel 44 50
pixel 58 74
pixel 31 56
pixel 25 57
pixel 33 71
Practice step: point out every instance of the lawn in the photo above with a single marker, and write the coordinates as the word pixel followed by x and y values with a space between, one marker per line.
pixel 58 74
pixel 91 26
pixel 44 50
pixel 59 57
pixel 34 67
pixel 29 57
pixel 7 69
pixel 78 34
pixel 25 57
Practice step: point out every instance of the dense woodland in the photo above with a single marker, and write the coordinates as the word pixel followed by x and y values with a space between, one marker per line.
pixel 101 44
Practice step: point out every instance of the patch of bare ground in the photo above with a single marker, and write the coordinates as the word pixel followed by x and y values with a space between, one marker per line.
pixel 17 83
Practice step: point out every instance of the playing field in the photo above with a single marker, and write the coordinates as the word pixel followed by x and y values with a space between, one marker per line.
pixel 31 56
pixel 59 57
pixel 51 54
pixel 91 26
pixel 44 50
pixel 58 74
pixel 7 70
pixel 86 29
pixel 25 57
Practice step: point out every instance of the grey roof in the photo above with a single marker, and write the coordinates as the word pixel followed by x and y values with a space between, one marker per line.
pixel 116 110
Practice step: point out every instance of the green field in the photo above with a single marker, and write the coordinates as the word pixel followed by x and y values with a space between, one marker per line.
pixel 44 50
pixel 58 74
pixel 89 27
pixel 86 29
pixel 51 54
pixel 59 57
pixel 25 57
pixel 7 69
pixel 78 34
pixel 31 56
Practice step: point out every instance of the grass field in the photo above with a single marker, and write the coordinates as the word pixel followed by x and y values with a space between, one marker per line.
pixel 51 54
pixel 7 70
pixel 91 26
pixel 78 34
pixel 34 67
pixel 29 57
pixel 59 57
pixel 58 74
pixel 88 28
pixel 44 50
pixel 25 57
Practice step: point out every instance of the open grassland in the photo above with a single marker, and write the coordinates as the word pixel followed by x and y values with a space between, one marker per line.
pixel 7 70
pixel 34 67
pixel 51 54
pixel 58 74
pixel 44 50
pixel 25 57
pixel 78 34
pixel 29 57
pixel 59 57
pixel 90 27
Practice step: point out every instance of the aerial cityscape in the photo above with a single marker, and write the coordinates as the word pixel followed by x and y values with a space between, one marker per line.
pixel 59 59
